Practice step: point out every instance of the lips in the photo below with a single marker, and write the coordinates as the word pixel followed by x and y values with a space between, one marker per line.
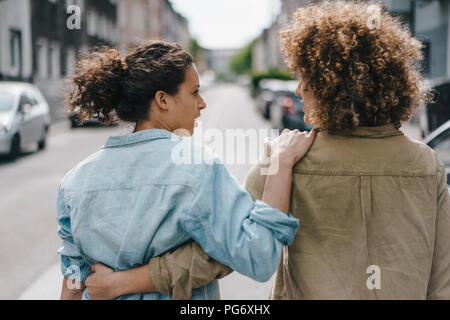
pixel 196 122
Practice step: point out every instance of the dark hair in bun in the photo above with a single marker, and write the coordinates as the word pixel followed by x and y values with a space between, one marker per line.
pixel 106 86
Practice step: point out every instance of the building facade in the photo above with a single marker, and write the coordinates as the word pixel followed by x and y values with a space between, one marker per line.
pixel 15 40
pixel 141 20
pixel 428 20
pixel 41 39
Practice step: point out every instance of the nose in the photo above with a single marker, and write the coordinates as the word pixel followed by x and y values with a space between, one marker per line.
pixel 298 91
pixel 202 104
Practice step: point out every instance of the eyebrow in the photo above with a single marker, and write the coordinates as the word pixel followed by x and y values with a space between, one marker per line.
pixel 197 86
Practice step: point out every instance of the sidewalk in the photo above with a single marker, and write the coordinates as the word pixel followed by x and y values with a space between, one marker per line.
pixel 47 287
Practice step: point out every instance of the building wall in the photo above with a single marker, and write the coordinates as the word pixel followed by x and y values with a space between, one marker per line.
pixel 15 20
pixel 431 27
pixel 141 20
pixel 55 46
pixel 266 50
pixel 428 20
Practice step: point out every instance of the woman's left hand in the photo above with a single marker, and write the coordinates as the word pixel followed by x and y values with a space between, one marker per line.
pixel 101 284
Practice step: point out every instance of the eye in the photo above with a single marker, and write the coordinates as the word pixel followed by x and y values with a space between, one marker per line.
pixel 196 92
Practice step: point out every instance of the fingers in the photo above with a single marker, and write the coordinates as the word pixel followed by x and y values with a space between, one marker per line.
pixel 97 267
pixel 311 134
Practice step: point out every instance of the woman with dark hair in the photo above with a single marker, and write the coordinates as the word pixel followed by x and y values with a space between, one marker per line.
pixel 131 201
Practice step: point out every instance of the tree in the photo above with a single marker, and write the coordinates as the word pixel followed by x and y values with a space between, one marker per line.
pixel 241 63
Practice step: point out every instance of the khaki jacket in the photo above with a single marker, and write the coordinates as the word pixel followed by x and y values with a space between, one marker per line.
pixel 374 213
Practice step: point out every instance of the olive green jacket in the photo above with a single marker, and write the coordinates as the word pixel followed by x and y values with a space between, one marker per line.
pixel 374 213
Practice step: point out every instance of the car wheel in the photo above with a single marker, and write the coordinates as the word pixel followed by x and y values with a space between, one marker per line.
pixel 15 148
pixel 42 144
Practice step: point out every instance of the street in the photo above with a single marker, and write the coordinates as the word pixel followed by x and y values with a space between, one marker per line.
pixel 29 264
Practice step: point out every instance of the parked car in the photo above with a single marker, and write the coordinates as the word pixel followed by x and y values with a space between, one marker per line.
pixel 437 113
pixel 75 121
pixel 439 140
pixel 270 90
pixel 24 118
pixel 287 113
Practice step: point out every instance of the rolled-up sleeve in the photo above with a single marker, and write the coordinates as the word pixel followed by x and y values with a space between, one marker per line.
pixel 247 236
pixel 73 266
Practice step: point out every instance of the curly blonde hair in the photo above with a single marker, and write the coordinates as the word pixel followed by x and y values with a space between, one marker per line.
pixel 364 70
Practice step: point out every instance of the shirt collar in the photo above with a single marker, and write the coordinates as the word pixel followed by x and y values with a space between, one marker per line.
pixel 137 137
pixel 387 130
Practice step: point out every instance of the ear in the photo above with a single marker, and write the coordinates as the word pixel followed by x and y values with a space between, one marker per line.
pixel 162 100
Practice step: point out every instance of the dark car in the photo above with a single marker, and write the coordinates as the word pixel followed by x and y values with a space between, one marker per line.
pixel 438 112
pixel 270 90
pixel 287 113
pixel 439 140
pixel 76 123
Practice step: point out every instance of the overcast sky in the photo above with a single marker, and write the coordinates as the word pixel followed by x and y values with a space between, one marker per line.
pixel 222 24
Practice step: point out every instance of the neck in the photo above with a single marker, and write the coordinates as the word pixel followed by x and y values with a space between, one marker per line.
pixel 149 124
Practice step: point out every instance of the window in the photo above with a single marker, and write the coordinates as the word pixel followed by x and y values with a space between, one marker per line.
pixel 31 98
pixel 15 44
pixel 92 20
pixel 53 60
pixel 70 61
pixel 42 60
pixel 23 101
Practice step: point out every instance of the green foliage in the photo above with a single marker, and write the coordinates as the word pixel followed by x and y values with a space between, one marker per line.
pixel 195 49
pixel 241 63
pixel 271 74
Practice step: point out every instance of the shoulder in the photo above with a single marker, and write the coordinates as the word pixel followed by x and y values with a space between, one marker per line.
pixel 78 172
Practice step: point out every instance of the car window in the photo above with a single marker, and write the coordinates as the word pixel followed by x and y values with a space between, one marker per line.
pixel 6 101
pixel 31 98
pixel 23 101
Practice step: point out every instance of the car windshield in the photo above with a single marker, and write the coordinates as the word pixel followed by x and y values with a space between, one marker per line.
pixel 6 101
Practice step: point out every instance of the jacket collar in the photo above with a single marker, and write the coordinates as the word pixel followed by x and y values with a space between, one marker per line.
pixel 387 130
pixel 137 137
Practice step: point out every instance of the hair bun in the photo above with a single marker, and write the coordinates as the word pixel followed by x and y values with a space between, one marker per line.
pixel 97 84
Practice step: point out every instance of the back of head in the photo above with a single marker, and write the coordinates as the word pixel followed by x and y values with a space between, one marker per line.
pixel 105 86
pixel 362 64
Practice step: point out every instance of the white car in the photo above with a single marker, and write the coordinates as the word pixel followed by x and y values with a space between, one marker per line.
pixel 24 118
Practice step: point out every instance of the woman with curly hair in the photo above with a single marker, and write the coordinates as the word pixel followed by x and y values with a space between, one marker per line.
pixel 373 205
pixel 132 200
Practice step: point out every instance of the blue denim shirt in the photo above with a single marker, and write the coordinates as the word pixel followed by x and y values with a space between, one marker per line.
pixel 134 199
